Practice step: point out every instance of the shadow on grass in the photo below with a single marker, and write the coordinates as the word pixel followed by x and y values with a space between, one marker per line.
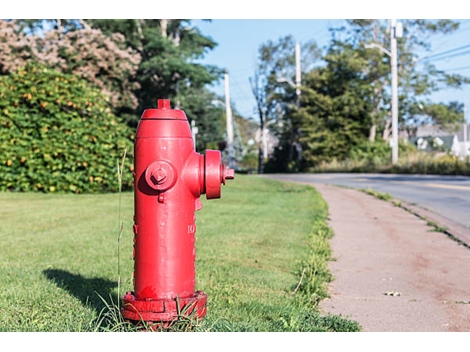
pixel 87 290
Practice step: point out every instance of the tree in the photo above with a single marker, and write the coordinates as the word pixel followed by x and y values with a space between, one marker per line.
pixel 262 104
pixel 346 101
pixel 276 100
pixel 208 118
pixel 169 51
pixel 415 83
pixel 336 106
pixel 448 116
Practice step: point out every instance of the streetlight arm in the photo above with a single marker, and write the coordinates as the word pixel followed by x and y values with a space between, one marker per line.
pixel 285 80
pixel 292 84
pixel 382 49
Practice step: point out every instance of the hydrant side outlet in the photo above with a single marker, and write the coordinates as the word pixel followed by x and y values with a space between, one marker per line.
pixel 169 178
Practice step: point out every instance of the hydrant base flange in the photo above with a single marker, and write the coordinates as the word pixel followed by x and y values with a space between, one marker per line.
pixel 164 311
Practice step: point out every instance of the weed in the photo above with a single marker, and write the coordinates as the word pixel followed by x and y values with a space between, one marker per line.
pixel 436 227
pixel 379 195
pixel 315 268
pixel 120 169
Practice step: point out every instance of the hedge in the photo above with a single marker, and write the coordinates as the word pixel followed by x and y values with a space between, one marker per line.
pixel 58 135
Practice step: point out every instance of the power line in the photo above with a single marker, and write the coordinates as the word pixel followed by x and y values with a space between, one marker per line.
pixel 439 43
pixel 452 56
pixel 433 57
pixel 458 68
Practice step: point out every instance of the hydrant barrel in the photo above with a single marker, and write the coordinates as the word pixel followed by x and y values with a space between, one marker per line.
pixel 169 177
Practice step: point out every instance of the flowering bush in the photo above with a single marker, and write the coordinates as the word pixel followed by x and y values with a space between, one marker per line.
pixel 102 61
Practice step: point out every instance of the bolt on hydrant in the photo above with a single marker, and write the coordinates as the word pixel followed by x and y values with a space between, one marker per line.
pixel 169 178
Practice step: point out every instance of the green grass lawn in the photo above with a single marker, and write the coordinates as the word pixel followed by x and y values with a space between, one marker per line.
pixel 256 246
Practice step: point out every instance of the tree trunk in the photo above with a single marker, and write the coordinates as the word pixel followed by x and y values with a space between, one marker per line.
pixel 260 160
pixel 376 112
pixel 372 132
pixel 140 46
pixel 164 26
pixel 261 146
pixel 386 134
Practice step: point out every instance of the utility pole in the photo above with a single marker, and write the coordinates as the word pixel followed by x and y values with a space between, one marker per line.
pixel 228 112
pixel 394 68
pixel 194 132
pixel 465 137
pixel 297 72
pixel 396 31
pixel 297 92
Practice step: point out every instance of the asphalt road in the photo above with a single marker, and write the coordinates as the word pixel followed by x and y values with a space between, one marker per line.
pixel 444 200
pixel 448 196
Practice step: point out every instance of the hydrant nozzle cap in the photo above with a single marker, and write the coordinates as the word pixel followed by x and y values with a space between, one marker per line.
pixel 164 104
pixel 229 174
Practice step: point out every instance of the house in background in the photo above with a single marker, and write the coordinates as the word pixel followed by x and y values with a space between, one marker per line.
pixel 432 138
pixel 442 144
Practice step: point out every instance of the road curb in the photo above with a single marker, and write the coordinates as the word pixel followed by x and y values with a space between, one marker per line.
pixel 456 231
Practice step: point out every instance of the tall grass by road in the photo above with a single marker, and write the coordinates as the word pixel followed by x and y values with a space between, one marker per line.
pixel 262 253
pixel 411 162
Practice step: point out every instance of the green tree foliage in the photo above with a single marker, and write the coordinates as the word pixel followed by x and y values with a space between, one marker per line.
pixel 207 117
pixel 58 134
pixel 169 51
pixel 335 111
pixel 335 106
pixel 449 115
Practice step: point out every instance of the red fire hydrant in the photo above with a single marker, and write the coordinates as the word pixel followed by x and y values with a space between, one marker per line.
pixel 169 177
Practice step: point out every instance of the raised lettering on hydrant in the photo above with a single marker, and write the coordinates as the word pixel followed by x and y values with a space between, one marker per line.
pixel 168 181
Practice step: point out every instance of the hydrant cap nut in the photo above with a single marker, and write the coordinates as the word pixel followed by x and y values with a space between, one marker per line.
pixel 160 175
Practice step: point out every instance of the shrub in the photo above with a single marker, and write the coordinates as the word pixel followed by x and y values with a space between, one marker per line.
pixel 58 134
pixel 378 151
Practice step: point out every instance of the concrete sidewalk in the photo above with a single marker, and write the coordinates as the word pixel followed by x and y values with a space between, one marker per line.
pixel 392 272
